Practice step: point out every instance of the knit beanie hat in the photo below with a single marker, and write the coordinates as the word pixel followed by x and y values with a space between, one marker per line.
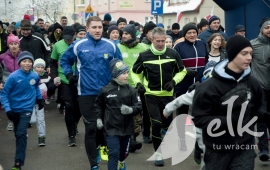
pixel 175 26
pixel 149 26
pixel 26 24
pixel 107 17
pixel 160 25
pixel 213 18
pixel 130 28
pixel 235 44
pixel 12 38
pixel 263 21
pixel 203 23
pixel 57 25
pixel 17 25
pixel 131 22
pixel 39 62
pixel 267 22
pixel 112 23
pixel 117 67
pixel 25 55
pixel 75 25
pixel 27 17
pixel 121 20
pixel 80 28
pixel 188 27
pixel 111 28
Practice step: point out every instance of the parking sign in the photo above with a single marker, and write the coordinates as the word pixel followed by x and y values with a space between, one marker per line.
pixel 157 7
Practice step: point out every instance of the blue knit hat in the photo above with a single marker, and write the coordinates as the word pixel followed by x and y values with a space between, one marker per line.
pixel 107 17
pixel 17 25
pixel 25 55
pixel 213 18
pixel 117 67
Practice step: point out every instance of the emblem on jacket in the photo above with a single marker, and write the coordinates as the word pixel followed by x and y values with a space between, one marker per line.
pixel 111 95
pixel 125 55
pixel 106 56
pixel 32 81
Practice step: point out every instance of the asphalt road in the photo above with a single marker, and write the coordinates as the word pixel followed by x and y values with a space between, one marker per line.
pixel 56 155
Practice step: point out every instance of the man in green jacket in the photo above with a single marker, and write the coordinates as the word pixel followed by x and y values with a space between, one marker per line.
pixel 130 48
pixel 69 93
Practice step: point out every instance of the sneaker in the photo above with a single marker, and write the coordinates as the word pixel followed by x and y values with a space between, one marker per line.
pixel 147 139
pixel 29 125
pixel 104 153
pixel 52 97
pixel 16 167
pixel 72 142
pixel 197 157
pixel 159 159
pixel 98 155
pixel 58 105
pixel 41 141
pixel 263 155
pixel 94 168
pixel 47 101
pixel 182 144
pixel 10 126
pixel 121 165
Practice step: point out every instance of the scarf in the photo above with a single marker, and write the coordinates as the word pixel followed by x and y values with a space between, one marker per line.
pixel 119 82
pixel 130 43
pixel 57 36
pixel 157 52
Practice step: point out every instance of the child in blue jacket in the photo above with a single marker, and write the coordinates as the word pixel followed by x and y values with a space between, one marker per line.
pixel 19 96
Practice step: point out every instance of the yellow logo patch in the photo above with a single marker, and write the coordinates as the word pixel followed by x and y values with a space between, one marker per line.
pixel 106 56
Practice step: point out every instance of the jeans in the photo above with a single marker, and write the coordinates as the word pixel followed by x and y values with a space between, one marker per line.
pixel 118 150
pixel 20 130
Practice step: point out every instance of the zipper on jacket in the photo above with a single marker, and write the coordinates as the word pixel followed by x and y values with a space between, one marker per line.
pixel 160 73
pixel 196 60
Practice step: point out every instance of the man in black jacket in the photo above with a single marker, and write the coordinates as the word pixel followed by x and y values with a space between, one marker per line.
pixel 227 106
pixel 3 39
pixel 34 43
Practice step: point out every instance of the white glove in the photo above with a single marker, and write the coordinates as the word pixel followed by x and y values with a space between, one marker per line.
pixel 99 124
pixel 125 110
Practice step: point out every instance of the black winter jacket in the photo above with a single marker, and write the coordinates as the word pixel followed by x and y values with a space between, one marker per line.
pixel 108 104
pixel 36 45
pixel 207 106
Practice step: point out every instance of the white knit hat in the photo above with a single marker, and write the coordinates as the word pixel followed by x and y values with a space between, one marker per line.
pixel 39 62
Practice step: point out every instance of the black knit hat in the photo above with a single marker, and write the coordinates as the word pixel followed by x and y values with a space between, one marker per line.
pixel 130 29
pixel 111 28
pixel 121 20
pixel 149 26
pixel 57 25
pixel 235 44
pixel 80 28
pixel 188 27
pixel 175 26
pixel 203 23
pixel 26 24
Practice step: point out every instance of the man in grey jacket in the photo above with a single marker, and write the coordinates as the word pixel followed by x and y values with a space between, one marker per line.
pixel 260 69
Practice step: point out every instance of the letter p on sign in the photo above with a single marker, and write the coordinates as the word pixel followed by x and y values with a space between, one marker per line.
pixel 157 4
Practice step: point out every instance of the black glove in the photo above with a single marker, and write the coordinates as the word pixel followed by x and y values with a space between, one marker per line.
pixel 72 79
pixel 191 72
pixel 169 86
pixel 193 86
pixel 140 88
pixel 11 115
pixel 40 104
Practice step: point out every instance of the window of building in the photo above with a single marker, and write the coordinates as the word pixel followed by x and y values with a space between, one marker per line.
pixel 169 22
pixel 93 3
pixel 82 2
pixel 105 1
pixel 99 2
pixel 150 18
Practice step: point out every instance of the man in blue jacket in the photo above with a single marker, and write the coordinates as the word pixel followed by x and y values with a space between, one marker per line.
pixel 214 25
pixel 92 56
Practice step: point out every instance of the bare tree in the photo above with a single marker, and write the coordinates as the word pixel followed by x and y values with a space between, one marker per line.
pixel 51 9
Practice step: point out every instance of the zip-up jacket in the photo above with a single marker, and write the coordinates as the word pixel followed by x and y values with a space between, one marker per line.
pixel 36 45
pixel 205 35
pixel 130 55
pixel 158 70
pixel 108 108
pixel 10 63
pixel 260 63
pixel 208 104
pixel 21 91
pixel 92 58
pixel 194 56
